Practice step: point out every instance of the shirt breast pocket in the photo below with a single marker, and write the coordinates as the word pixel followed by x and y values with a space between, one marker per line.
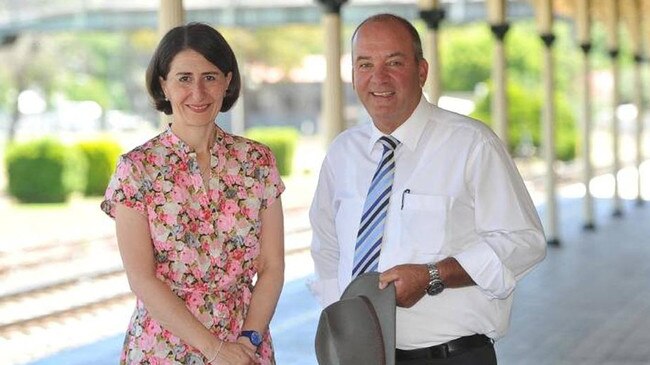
pixel 424 224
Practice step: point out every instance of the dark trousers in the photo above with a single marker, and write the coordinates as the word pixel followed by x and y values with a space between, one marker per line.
pixel 484 355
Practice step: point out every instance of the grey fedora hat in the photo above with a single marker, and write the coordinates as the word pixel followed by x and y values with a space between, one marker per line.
pixel 359 329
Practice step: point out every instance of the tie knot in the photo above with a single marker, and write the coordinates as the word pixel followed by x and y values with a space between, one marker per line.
pixel 389 142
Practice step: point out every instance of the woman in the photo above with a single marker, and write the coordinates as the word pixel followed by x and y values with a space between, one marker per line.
pixel 198 216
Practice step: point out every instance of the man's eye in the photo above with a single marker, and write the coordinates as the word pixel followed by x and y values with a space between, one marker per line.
pixel 364 65
pixel 394 63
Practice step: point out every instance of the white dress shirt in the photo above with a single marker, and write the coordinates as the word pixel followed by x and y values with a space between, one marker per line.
pixel 456 192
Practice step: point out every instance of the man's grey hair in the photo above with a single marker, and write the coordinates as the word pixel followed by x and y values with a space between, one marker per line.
pixel 415 37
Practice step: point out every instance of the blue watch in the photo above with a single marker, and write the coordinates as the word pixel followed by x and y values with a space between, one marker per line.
pixel 253 336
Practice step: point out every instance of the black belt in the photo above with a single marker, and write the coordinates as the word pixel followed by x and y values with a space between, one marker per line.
pixel 445 350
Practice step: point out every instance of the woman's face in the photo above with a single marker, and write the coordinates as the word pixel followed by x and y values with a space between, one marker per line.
pixel 195 88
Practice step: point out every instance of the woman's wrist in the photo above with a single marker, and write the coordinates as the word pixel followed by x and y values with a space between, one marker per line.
pixel 215 353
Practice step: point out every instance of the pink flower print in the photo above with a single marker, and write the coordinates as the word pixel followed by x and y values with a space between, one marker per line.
pixel 206 227
pixel 197 180
pixel 152 327
pixel 251 253
pixel 129 190
pixel 181 180
pixel 155 159
pixel 249 212
pixel 147 341
pixel 203 199
pixel 195 299
pixel 188 256
pixel 242 193
pixel 230 180
pixel 234 268
pixel 236 255
pixel 221 310
pixel 164 217
pixel 179 193
pixel 182 166
pixel 159 199
pixel 123 170
pixel 232 167
pixel 229 207
pixel 239 153
pixel 258 189
pixel 205 214
pixel 225 222
pixel 157 185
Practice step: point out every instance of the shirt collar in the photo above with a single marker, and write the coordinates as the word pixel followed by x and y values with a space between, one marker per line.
pixel 171 140
pixel 410 132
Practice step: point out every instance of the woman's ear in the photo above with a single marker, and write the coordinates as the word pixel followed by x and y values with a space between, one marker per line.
pixel 228 79
pixel 163 86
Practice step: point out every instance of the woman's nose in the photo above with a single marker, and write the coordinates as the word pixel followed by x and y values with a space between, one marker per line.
pixel 198 90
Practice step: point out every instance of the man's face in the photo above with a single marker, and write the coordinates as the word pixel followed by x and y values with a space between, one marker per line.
pixel 386 75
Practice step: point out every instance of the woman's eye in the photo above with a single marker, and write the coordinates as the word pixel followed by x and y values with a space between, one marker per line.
pixel 184 79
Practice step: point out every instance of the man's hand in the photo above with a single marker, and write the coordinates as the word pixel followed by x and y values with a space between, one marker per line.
pixel 410 281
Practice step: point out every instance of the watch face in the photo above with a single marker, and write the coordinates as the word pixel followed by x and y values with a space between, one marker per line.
pixel 256 338
pixel 253 336
pixel 435 288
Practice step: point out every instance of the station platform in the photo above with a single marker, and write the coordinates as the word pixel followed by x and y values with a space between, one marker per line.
pixel 588 302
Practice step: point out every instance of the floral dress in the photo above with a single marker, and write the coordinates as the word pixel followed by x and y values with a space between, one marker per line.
pixel 205 242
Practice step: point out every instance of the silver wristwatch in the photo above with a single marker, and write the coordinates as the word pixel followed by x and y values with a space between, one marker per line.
pixel 435 283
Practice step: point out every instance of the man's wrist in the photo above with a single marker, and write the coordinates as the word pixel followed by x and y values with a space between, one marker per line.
pixel 435 285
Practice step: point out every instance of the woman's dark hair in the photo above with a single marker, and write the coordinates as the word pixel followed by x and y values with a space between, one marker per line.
pixel 203 39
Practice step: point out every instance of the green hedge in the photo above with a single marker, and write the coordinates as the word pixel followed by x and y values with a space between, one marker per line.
pixel 101 156
pixel 44 171
pixel 281 140
pixel 524 120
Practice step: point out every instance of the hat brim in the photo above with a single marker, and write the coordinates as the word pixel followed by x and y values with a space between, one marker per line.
pixel 383 302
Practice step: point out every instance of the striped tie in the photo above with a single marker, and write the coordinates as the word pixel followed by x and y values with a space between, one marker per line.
pixel 371 230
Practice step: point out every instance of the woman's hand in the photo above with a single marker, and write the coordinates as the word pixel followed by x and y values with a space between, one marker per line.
pixel 236 353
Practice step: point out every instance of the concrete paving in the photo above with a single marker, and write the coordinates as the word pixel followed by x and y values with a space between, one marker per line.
pixel 587 303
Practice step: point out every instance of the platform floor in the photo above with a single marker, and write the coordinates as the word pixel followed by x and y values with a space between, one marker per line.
pixel 588 302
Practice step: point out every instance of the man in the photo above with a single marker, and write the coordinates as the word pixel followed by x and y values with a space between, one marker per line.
pixel 446 213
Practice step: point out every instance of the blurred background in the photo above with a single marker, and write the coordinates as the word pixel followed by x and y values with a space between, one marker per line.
pixel 571 110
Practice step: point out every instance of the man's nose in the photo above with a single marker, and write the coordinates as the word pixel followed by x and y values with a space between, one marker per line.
pixel 380 72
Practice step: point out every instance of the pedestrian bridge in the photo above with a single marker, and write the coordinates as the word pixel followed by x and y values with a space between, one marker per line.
pixel 19 16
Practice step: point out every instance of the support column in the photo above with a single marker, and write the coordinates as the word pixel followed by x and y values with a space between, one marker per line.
pixel 583 22
pixel 612 12
pixel 544 16
pixel 432 15
pixel 634 26
pixel 170 14
pixel 638 96
pixel 499 27
pixel 333 121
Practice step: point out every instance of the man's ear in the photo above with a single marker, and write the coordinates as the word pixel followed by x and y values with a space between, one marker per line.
pixel 423 71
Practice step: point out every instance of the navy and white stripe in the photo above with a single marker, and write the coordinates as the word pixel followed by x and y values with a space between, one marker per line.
pixel 371 228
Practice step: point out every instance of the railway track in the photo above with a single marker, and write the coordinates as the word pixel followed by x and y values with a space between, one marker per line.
pixel 56 280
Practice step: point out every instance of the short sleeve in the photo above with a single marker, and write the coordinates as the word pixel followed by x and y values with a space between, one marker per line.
pixel 126 187
pixel 273 185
